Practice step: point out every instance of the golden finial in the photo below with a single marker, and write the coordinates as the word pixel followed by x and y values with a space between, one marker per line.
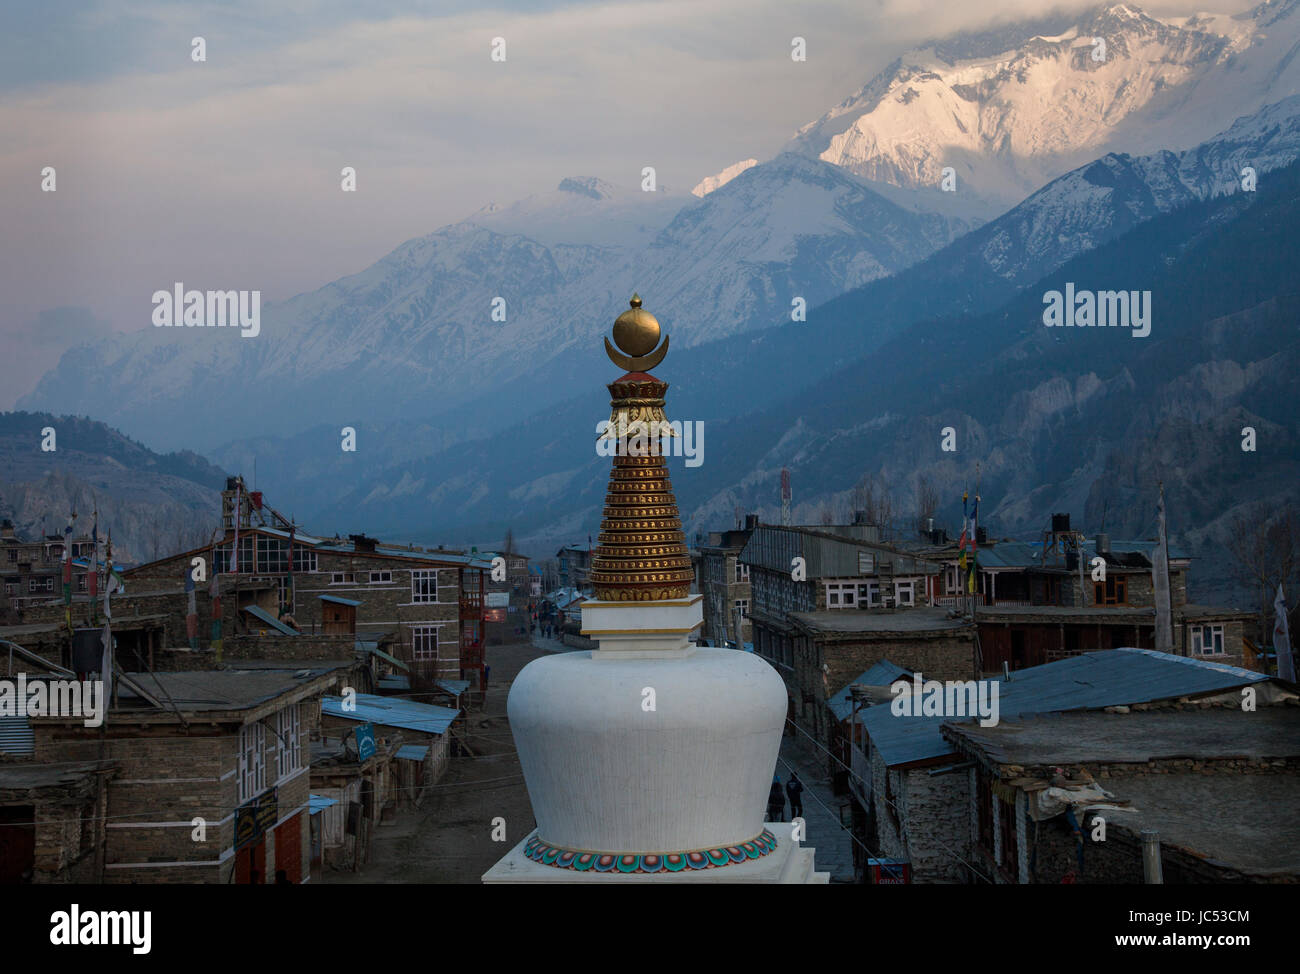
pixel 636 332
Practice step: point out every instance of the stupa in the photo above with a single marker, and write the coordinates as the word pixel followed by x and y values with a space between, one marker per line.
pixel 648 759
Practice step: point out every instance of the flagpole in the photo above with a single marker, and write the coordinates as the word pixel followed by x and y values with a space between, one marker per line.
pixel 106 663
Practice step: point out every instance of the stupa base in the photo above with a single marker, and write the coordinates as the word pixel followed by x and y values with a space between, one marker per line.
pixel 789 863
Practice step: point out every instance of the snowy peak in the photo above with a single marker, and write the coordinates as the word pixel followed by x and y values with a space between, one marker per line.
pixel 707 185
pixel 1004 122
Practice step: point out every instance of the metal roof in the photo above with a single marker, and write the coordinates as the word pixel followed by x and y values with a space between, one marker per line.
pixel 412 752
pixel 1107 678
pixel 395 682
pixel 882 674
pixel 339 600
pixel 318 803
pixel 374 650
pixel 393 712
pixel 257 612
pixel 454 687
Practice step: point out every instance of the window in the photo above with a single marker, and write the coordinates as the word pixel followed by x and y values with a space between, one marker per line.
pixel 380 578
pixel 288 758
pixel 252 770
pixel 1206 640
pixel 342 578
pixel 1113 591
pixel 272 555
pixel 13 554
pixel 81 583
pixel 866 562
pixel 742 571
pixel 424 586
pixel 742 605
pixel 11 588
pixel 221 561
pixel 841 595
pixel 905 592
pixel 424 643
pixel 868 594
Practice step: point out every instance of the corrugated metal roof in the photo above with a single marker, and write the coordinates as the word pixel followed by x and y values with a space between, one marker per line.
pixel 412 752
pixel 454 687
pixel 339 600
pixel 882 674
pixel 259 613
pixel 318 803
pixel 395 682
pixel 393 712
pixel 373 648
pixel 16 736
pixel 1107 678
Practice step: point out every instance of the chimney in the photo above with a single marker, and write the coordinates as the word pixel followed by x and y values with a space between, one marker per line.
pixel 751 522
pixel 1103 544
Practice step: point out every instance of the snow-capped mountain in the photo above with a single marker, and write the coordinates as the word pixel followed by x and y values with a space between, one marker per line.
pixel 709 183
pixel 483 302
pixel 1012 109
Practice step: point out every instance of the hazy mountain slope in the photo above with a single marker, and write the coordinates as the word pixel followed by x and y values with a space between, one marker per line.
pixel 151 502
pixel 414 334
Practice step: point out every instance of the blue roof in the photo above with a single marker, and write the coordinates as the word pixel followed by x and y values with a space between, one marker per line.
pixel 882 674
pixel 395 682
pixel 318 803
pixel 259 613
pixel 1107 678
pixel 412 752
pixel 393 712
pixel 454 687
pixel 339 600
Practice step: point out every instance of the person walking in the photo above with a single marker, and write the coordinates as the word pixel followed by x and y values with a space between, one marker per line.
pixel 794 790
pixel 776 801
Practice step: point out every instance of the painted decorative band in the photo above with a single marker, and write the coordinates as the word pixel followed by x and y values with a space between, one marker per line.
pixel 672 862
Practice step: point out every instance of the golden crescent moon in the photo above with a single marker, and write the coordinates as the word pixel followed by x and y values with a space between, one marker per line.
pixel 642 363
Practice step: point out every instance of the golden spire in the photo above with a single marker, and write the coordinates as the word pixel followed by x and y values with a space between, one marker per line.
pixel 642 555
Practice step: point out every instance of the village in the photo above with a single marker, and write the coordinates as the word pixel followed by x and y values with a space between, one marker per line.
pixel 284 707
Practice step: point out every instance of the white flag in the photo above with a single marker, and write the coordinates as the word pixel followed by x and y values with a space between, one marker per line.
pixel 1282 640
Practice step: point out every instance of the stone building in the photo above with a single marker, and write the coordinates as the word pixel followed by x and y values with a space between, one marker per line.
pixel 915 790
pixel 724 583
pixel 1066 798
pixel 1042 601
pixel 427 605
pixel 229 748
pixel 31 569
pixel 829 603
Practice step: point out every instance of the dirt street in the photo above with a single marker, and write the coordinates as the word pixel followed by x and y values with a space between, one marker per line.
pixel 449 839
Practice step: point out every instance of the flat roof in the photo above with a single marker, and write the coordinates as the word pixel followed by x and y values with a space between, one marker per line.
pixel 1098 737
pixel 224 690
pixel 1240 821
pixel 870 621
